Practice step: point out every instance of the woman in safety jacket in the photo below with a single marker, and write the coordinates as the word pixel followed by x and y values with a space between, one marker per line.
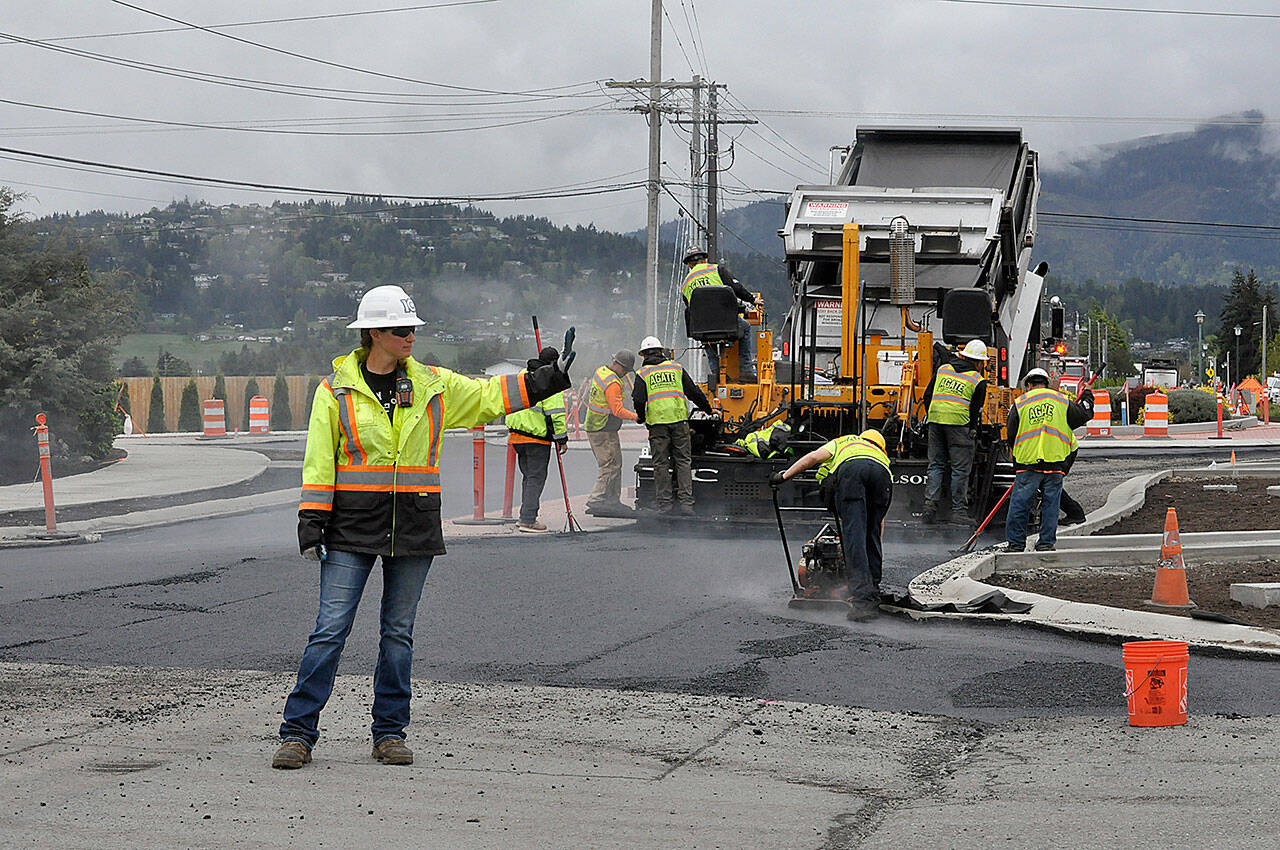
pixel 370 489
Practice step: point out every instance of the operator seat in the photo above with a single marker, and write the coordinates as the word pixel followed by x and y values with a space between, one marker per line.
pixel 712 315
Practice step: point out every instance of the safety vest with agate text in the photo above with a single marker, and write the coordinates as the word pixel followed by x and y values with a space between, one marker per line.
pixel 846 448
pixel 703 274
pixel 952 393
pixel 1043 433
pixel 666 402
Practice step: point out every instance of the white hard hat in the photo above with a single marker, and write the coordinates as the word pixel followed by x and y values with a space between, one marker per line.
pixel 974 349
pixel 386 307
pixel 1036 373
pixel 650 343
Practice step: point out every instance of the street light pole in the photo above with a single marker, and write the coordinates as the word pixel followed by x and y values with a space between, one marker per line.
pixel 1200 346
pixel 1236 371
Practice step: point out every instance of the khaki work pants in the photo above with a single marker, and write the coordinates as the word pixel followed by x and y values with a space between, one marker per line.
pixel 607 448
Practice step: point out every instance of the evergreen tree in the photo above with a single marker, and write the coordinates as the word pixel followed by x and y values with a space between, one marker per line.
pixel 189 418
pixel 1242 308
pixel 220 387
pixel 312 386
pixel 250 390
pixel 281 413
pixel 155 416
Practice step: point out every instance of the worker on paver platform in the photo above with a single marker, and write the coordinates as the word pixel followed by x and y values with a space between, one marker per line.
pixel 370 489
pixel 605 415
pixel 532 432
pixel 1040 427
pixel 767 442
pixel 853 471
pixel 953 401
pixel 702 273
pixel 661 397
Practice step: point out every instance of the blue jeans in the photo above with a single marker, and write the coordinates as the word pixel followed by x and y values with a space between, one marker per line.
pixel 342 579
pixel 1025 486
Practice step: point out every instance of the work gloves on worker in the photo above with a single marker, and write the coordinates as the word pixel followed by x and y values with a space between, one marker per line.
pixel 545 378
pixel 314 553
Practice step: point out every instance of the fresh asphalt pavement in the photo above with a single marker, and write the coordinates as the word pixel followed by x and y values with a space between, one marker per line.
pixel 627 608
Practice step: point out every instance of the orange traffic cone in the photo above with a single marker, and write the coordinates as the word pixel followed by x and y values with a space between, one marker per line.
pixel 1233 461
pixel 1171 573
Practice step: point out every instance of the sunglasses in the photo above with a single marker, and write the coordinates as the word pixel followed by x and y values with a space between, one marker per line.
pixel 402 332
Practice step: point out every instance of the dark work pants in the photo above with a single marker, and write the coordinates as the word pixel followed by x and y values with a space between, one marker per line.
pixel 534 458
pixel 672 449
pixel 950 447
pixel 863 492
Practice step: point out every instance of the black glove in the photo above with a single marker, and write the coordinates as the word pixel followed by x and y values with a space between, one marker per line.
pixel 776 479
pixel 551 378
pixel 1086 397
pixel 314 553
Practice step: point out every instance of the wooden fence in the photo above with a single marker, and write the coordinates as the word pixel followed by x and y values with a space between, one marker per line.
pixel 139 390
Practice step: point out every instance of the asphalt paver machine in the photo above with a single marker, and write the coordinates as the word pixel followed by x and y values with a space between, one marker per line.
pixel 922 244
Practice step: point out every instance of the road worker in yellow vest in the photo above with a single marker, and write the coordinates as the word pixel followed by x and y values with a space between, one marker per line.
pixel 767 442
pixel 371 492
pixel 953 401
pixel 605 415
pixel 854 473
pixel 703 273
pixel 661 397
pixel 531 433
pixel 1040 432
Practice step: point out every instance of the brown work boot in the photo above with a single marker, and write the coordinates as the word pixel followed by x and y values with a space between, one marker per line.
pixel 393 751
pixel 291 756
pixel 534 527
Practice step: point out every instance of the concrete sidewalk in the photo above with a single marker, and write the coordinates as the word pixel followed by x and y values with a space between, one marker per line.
pixel 153 468
pixel 142 758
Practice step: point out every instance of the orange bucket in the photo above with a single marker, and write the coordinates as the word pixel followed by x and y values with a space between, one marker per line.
pixel 1155 681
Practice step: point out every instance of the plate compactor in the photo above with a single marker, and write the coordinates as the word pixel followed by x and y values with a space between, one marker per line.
pixel 818 580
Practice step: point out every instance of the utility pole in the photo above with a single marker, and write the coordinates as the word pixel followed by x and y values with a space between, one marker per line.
pixel 655 162
pixel 713 178
pixel 695 160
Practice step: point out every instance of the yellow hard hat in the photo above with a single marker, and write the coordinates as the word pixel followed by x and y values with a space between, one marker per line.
pixel 874 436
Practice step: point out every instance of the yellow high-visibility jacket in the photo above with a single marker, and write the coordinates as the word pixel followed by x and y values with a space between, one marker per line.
pixel 371 483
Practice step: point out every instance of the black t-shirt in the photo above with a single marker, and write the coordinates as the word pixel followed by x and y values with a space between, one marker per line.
pixel 384 389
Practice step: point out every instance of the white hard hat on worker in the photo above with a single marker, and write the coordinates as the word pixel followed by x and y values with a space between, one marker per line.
pixel 650 343
pixel 386 307
pixel 974 349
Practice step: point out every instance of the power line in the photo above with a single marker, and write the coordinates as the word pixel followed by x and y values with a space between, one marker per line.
pixel 297 90
pixel 537 194
pixel 1174 221
pixel 79 191
pixel 1019 118
pixel 266 21
pixel 315 59
pixel 195 125
pixel 692 69
pixel 697 38
pixel 1145 11
pixel 737 100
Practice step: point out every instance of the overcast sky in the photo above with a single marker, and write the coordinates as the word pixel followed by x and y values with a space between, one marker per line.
pixel 811 70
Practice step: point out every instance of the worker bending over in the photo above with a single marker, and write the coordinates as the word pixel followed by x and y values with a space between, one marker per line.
pixel 953 401
pixel 853 471
pixel 605 415
pixel 661 396
pixel 531 433
pixel 702 273
pixel 1040 427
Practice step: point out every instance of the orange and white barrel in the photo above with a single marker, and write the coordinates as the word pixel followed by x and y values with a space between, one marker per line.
pixel 259 415
pixel 1100 424
pixel 1156 415
pixel 215 417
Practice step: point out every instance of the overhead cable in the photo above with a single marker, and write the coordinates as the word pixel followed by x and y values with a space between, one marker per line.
pixel 314 59
pixel 1083 8
pixel 266 21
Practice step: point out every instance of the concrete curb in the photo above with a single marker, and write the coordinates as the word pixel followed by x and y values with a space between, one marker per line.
pixel 959 581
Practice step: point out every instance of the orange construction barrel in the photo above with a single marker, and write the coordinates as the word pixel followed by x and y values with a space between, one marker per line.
pixel 259 415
